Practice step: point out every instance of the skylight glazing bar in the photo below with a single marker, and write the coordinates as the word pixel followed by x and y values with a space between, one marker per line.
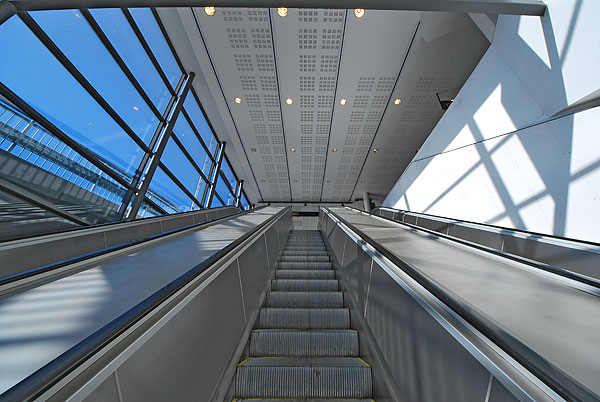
pixel 151 56
pixel 215 176
pixel 119 60
pixel 68 65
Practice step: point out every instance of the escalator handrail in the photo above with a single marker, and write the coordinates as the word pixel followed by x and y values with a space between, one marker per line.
pixel 487 225
pixel 554 378
pixel 6 280
pixel 49 375
pixel 109 224
pixel 587 280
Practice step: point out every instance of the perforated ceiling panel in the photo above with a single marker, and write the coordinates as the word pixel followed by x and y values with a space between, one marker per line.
pixel 316 58
pixel 240 46
pixel 308 44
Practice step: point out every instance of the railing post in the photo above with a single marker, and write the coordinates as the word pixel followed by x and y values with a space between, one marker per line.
pixel 215 176
pixel 238 194
pixel 161 143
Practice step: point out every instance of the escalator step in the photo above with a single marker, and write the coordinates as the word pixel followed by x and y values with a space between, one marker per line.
pixel 305 299
pixel 304 318
pixel 274 342
pixel 305 285
pixel 302 400
pixel 305 274
pixel 306 252
pixel 304 265
pixel 304 258
pixel 302 377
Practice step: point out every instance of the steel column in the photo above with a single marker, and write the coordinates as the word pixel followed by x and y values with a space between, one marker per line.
pixel 166 131
pixel 215 176
pixel 239 193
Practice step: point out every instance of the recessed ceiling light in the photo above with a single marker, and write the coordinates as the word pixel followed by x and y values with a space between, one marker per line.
pixel 397 101
pixel 295 181
pixel 253 149
pixel 359 12
pixel 289 101
pixel 362 181
pixel 334 150
pixel 262 180
pixel 209 11
pixel 376 150
pixel 343 101
pixel 328 181
pixel 282 11
pixel 238 100
pixel 293 149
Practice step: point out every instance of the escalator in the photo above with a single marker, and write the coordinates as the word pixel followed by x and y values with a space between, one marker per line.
pixel 304 346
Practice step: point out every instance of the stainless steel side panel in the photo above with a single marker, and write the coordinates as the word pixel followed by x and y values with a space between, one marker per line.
pixel 185 359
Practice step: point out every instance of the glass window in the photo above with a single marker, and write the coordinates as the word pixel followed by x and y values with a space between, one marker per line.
pixel 244 202
pixel 180 166
pixel 37 77
pixel 197 117
pixel 74 36
pixel 228 174
pixel 184 133
pixel 163 185
pixel 224 192
pixel 216 203
pixel 157 42
pixel 117 29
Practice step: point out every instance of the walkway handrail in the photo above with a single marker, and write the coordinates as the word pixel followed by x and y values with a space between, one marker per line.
pixel 523 260
pixel 81 258
pixel 557 380
pixel 49 375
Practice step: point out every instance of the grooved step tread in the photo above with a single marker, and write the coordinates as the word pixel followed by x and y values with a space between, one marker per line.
pixel 304 299
pixel 302 400
pixel 304 318
pixel 305 274
pixel 277 342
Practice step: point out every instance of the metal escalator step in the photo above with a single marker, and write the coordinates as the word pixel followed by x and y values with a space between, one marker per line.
pixel 305 285
pixel 304 258
pixel 305 299
pixel 304 252
pixel 304 377
pixel 302 400
pixel 304 318
pixel 275 342
pixel 304 274
pixel 304 265
pixel 305 248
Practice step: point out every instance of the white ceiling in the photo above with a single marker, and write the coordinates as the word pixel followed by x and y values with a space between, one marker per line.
pixel 317 57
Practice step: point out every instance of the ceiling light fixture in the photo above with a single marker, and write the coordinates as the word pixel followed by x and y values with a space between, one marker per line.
pixel 210 11
pixel 293 149
pixel 282 11
pixel 334 150
pixel 262 180
pixel 238 100
pixel 289 101
pixel 253 149
pixel 362 181
pixel 343 101
pixel 295 181
pixel 359 12
pixel 376 150
pixel 397 101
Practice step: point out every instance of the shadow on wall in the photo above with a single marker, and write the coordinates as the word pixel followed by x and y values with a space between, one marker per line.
pixel 497 156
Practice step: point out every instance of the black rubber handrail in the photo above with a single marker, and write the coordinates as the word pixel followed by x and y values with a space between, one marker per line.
pixel 108 224
pixel 587 280
pixel 49 375
pixel 80 258
pixel 522 231
pixel 553 377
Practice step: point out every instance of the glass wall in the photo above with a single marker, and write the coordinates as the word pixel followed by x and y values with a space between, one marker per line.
pixel 84 95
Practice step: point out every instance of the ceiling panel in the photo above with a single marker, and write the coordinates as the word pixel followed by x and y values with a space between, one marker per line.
pixel 240 46
pixel 374 49
pixel 308 44
pixel 316 57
